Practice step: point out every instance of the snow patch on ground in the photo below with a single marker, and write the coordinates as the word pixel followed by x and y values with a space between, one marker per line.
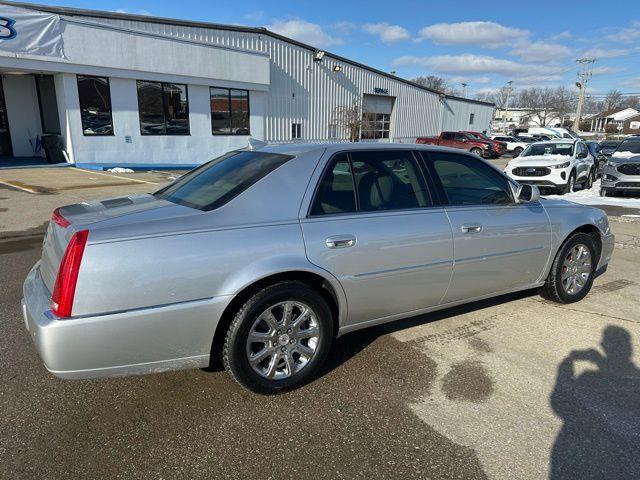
pixel 592 197
pixel 120 170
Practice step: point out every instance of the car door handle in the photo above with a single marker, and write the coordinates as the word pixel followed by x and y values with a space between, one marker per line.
pixel 341 241
pixel 471 228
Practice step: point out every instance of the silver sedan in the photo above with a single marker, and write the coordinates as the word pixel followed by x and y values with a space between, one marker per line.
pixel 263 256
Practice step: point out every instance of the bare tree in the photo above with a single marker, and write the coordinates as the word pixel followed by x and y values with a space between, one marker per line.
pixel 614 99
pixel 539 101
pixel 353 120
pixel 433 82
pixel 563 102
pixel 632 102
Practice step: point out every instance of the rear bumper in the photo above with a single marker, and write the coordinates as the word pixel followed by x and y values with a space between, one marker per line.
pixel 139 341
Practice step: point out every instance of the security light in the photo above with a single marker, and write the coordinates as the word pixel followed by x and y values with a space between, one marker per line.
pixel 337 68
pixel 319 55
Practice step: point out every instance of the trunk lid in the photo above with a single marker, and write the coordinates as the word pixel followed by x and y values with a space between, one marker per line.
pixel 111 212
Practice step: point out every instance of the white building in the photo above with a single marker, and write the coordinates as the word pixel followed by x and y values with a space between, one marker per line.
pixel 129 89
pixel 525 117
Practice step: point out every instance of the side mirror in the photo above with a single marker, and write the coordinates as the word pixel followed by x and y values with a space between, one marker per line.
pixel 527 193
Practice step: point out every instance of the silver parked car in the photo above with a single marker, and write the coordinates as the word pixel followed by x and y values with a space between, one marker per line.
pixel 621 172
pixel 265 255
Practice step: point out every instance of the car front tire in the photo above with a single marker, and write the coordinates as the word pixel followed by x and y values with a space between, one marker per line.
pixel 517 152
pixel 279 338
pixel 571 184
pixel 573 270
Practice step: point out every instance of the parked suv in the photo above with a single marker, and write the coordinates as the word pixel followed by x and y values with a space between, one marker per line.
pixel 555 165
pixel 621 173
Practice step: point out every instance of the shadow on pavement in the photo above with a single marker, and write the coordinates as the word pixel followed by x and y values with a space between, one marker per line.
pixel 600 408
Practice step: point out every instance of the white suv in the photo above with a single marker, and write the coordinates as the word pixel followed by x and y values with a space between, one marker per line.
pixel 554 165
pixel 514 146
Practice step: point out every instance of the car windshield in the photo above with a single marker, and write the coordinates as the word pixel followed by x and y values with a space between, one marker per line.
pixel 565 149
pixel 609 144
pixel 215 183
pixel 632 146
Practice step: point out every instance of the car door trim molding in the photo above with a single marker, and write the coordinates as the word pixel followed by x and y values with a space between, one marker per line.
pixel 500 254
pixel 382 273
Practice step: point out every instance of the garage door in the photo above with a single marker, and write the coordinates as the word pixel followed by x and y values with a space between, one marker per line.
pixel 376 117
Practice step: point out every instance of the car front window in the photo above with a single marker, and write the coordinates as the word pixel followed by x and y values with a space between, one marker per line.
pixel 632 146
pixel 217 182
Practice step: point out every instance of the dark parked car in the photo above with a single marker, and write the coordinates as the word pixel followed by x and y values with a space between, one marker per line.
pixel 607 147
pixel 596 152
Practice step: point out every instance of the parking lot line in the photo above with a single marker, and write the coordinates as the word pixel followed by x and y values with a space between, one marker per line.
pixel 93 172
pixel 23 186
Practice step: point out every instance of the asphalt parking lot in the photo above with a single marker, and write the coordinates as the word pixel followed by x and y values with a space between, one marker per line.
pixel 514 387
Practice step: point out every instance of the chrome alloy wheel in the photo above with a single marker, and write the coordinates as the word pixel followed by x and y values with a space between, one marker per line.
pixel 576 269
pixel 283 340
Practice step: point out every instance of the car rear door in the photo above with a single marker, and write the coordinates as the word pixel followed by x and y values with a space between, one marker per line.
pixel 372 223
pixel 499 245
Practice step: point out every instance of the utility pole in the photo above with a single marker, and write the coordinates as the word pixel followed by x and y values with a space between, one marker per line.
pixel 506 106
pixel 464 89
pixel 584 75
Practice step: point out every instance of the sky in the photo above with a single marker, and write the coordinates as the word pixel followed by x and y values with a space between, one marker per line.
pixel 484 44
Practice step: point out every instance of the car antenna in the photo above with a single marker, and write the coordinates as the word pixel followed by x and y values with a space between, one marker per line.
pixel 254 143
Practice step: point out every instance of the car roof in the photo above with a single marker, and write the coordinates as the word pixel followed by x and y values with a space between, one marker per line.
pixel 300 148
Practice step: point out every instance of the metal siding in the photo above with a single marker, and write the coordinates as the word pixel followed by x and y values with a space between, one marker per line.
pixel 455 116
pixel 307 92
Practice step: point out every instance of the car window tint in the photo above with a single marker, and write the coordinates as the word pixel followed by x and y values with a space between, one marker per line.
pixel 467 181
pixel 335 193
pixel 459 137
pixel 388 180
pixel 218 181
pixel 447 135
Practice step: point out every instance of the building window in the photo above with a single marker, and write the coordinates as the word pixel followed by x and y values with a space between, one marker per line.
pixel 375 125
pixel 229 111
pixel 333 131
pixel 634 125
pixel 95 105
pixel 163 108
pixel 472 116
pixel 296 130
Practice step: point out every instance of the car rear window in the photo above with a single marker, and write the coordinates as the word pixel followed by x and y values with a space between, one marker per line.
pixel 217 182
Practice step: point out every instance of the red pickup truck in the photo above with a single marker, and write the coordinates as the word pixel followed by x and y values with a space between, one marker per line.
pixel 463 141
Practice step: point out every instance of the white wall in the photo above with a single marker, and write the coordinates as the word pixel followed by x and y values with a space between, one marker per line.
pixel 200 146
pixel 456 114
pixel 23 112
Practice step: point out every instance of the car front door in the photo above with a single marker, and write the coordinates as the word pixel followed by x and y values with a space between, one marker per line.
pixel 372 223
pixel 499 245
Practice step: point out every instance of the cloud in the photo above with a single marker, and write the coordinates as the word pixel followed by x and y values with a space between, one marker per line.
pixel 599 53
pixel 387 33
pixel 133 12
pixel 562 36
pixel 255 16
pixel 478 64
pixel 344 26
pixel 627 35
pixel 541 51
pixel 484 34
pixel 631 83
pixel 304 31
pixel 606 70
pixel 470 80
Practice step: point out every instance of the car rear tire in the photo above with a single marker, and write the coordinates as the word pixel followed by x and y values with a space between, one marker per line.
pixel 588 183
pixel 476 151
pixel 573 270
pixel 516 152
pixel 279 338
pixel 604 192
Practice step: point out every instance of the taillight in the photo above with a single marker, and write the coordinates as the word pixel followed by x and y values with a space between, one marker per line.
pixel 58 219
pixel 65 286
